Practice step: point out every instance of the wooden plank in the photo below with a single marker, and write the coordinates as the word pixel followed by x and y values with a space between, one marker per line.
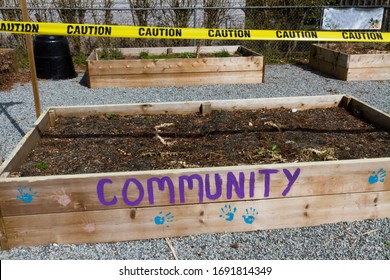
pixel 368 74
pixel 159 222
pixel 329 68
pixel 322 53
pixel 298 102
pixel 372 115
pixel 176 79
pixel 369 61
pixel 28 142
pixel 163 50
pixel 3 235
pixel 73 193
pixel 174 65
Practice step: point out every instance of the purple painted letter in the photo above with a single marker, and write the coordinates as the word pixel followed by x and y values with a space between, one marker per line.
pixel 100 192
pixel 239 187
pixel 161 186
pixel 190 183
pixel 267 181
pixel 218 186
pixel 291 179
pixel 141 192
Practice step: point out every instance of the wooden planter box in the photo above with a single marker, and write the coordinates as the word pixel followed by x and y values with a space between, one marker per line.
pixel 246 69
pixel 107 207
pixel 350 67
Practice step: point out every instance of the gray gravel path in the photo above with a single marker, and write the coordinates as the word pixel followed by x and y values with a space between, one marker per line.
pixel 357 240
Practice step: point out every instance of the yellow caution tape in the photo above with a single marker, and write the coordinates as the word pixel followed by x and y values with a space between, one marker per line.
pixel 150 32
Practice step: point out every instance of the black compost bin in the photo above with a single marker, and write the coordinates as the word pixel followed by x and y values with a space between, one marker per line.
pixel 52 58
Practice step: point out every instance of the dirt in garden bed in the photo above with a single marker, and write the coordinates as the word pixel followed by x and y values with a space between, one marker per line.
pixel 360 48
pixel 111 143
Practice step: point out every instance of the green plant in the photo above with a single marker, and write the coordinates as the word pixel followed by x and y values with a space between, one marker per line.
pixel 272 150
pixel 42 166
pixel 186 55
pixel 110 54
pixel 149 119
pixel 260 152
pixel 79 59
pixel 144 55
pixel 387 242
pixel 109 116
pixel 223 53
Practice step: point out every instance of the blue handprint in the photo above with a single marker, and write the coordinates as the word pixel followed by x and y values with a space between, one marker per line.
pixel 26 194
pixel 162 219
pixel 250 216
pixel 378 176
pixel 228 212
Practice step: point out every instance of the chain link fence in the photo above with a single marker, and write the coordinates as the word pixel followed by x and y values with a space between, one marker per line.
pixel 233 15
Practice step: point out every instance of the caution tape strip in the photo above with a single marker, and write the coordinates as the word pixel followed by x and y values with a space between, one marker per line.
pixel 150 32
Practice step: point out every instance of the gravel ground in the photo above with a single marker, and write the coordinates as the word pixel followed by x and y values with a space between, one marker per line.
pixel 356 240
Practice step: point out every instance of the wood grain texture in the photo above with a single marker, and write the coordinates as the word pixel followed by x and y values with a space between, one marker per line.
pixel 67 209
pixel 350 67
pixel 74 193
pixel 28 142
pixel 140 223
pixel 134 72
pixel 299 103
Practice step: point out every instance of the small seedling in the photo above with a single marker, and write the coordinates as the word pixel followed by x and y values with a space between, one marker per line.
pixel 149 119
pixel 144 55
pixel 387 242
pixel 42 166
pixel 109 116
pixel 260 152
pixel 110 54
pixel 223 53
pixel 186 55
pixel 274 149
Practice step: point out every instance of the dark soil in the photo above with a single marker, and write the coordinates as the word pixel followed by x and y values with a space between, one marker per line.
pixel 360 48
pixel 114 143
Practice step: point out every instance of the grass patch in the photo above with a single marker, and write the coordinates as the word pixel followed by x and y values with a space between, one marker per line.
pixel 110 54
pixel 42 166
pixel 146 55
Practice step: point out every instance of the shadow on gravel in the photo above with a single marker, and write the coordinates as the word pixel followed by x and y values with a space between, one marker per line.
pixel 306 67
pixel 3 110
pixel 83 80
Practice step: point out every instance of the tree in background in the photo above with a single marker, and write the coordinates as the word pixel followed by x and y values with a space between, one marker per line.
pixel 297 15
pixel 141 11
pixel 12 15
pixel 73 11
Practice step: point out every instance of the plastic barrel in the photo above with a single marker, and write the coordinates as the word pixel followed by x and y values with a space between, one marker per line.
pixel 52 58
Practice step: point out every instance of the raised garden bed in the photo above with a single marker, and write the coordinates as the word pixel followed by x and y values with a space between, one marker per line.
pixel 351 62
pixel 243 67
pixel 125 172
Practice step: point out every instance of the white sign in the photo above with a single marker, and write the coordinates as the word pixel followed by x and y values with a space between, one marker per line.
pixel 352 18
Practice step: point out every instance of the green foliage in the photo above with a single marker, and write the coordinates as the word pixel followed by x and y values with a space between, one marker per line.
pixel 110 54
pixel 223 53
pixel 42 166
pixel 387 242
pixel 79 59
pixel 23 60
pixel 109 116
pixel 149 119
pixel 146 55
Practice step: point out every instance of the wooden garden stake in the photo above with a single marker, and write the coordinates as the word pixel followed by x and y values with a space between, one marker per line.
pixel 31 61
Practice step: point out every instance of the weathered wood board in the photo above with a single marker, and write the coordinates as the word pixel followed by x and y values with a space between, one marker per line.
pixel 132 72
pixel 350 67
pixel 106 207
